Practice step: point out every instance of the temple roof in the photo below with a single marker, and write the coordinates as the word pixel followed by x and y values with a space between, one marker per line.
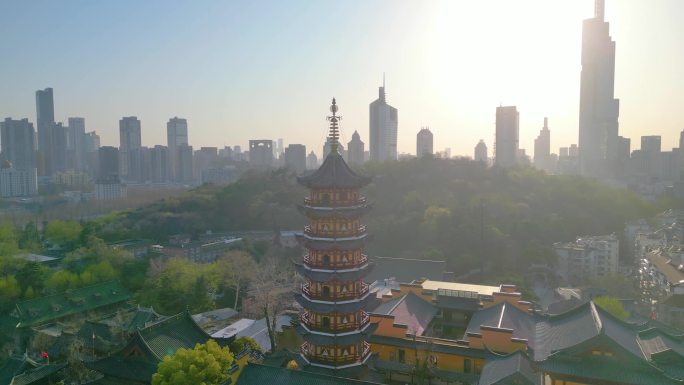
pixel 410 310
pixel 332 243
pixel 343 276
pixel 13 366
pixel 501 370
pixel 561 343
pixel 138 360
pixel 334 173
pixel 36 311
pixel 506 316
pixel 325 308
pixel 141 317
pixel 170 334
pixel 348 339
pixel 254 374
pixel 334 212
pixel 37 375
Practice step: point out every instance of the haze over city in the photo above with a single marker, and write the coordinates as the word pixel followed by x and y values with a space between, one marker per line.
pixel 245 70
pixel 464 192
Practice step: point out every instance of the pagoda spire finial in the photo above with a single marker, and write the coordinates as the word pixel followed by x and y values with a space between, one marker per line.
pixel 334 134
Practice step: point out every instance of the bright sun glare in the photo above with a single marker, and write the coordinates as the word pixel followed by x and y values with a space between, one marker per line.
pixel 509 52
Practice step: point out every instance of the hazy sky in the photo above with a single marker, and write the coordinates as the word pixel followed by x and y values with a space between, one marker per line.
pixel 257 69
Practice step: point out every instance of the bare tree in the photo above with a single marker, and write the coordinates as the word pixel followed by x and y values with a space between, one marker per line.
pixel 270 290
pixel 236 268
pixel 76 372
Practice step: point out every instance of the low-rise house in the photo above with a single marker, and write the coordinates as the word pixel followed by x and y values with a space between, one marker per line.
pixel 137 247
pixel 587 257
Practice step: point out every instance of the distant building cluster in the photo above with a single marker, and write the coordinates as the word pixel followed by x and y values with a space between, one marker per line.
pixel 587 257
pixel 64 153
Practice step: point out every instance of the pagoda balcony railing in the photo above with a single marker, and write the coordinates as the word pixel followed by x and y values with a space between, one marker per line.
pixel 335 204
pixel 335 297
pixel 307 319
pixel 308 350
pixel 309 260
pixel 366 350
pixel 335 233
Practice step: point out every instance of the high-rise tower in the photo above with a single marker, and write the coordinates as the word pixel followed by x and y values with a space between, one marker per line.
pixel 355 149
pixel 334 296
pixel 17 143
pixel 424 142
pixel 129 148
pixel 599 110
pixel 481 152
pixel 383 128
pixel 177 135
pixel 542 148
pixel 507 131
pixel 45 121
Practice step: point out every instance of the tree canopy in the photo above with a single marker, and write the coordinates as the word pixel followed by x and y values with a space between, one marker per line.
pixel 612 306
pixel 206 364
pixel 456 210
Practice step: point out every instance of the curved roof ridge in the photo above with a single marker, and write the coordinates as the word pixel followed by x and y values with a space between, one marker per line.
pixel 596 317
pixel 401 299
pixel 409 259
pixel 140 337
pixel 334 172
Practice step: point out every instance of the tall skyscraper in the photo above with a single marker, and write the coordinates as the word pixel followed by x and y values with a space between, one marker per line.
pixel 108 171
pixel 18 143
pixel 280 149
pixel 383 127
pixel 295 158
pixel 185 165
pixel 651 151
pixel 261 153
pixel 204 159
pixel 355 149
pixel 599 110
pixel 542 148
pixel 58 158
pixel 424 142
pixel 91 143
pixel 45 121
pixel 130 143
pixel 159 164
pixel 311 161
pixel 507 131
pixel 176 135
pixel 75 144
pixel 481 152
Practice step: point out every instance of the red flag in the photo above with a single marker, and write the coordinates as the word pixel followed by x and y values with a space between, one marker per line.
pixel 44 354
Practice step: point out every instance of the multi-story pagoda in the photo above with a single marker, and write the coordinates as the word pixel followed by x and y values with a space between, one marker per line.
pixel 334 295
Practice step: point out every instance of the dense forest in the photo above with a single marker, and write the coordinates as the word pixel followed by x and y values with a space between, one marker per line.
pixel 456 210
pixel 460 211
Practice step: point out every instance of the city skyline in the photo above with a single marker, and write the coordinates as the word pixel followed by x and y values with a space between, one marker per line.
pixel 224 108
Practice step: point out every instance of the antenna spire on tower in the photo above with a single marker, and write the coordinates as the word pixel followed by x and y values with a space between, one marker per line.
pixel 600 9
